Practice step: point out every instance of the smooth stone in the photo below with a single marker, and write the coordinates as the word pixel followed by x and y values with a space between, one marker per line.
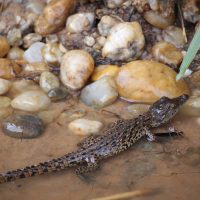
pixel 76 68
pixel 104 70
pixel 23 126
pixel 100 93
pixel 5 85
pixel 167 53
pixel 15 53
pixel 124 42
pixel 4 102
pixel 4 46
pixel 74 114
pixel 21 86
pixel 32 101
pixel 8 69
pixel 34 52
pixel 48 81
pixel 48 116
pixel 85 127
pixel 5 112
pixel 147 81
pixel 57 94
pixel 54 16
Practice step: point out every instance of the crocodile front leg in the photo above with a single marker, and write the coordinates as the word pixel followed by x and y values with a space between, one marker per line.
pixel 91 165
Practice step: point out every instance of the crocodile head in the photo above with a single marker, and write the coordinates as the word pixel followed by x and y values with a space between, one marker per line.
pixel 165 109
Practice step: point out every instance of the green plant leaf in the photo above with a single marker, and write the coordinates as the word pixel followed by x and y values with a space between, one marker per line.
pixel 190 55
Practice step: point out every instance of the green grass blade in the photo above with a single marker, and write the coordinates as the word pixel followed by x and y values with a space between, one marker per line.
pixel 190 55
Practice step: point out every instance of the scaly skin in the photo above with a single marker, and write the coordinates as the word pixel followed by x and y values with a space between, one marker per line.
pixel 119 137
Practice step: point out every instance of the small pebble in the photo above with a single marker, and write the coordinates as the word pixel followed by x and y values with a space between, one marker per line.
pixel 174 35
pixel 14 37
pixel 15 53
pixel 23 126
pixel 48 116
pixel 4 46
pixel 76 68
pixel 30 39
pixel 128 47
pixel 104 70
pixel 85 127
pixel 52 53
pixel 57 94
pixel 4 102
pixel 35 6
pixel 48 81
pixel 167 53
pixel 5 85
pixel 32 101
pixel 37 67
pixel 101 93
pixel 8 69
pixel 80 22
pixel 34 53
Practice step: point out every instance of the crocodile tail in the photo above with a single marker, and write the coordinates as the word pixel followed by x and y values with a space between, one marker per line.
pixel 34 170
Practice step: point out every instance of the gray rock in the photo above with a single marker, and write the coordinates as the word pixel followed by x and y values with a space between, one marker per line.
pixel 101 93
pixel 23 126
pixel 57 94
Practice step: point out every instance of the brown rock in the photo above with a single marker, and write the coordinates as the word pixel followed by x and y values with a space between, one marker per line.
pixel 54 16
pixel 4 46
pixel 8 68
pixel 147 81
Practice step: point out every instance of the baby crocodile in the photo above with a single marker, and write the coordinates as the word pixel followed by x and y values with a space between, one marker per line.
pixel 120 136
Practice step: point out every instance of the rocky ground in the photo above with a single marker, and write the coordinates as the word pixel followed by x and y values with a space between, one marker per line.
pixel 79 65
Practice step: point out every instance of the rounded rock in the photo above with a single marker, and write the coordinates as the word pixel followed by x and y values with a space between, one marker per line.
pixel 167 53
pixel 34 52
pixel 76 68
pixel 8 69
pixel 101 93
pixel 5 85
pixel 104 70
pixel 14 37
pixel 30 39
pixel 80 22
pixel 4 102
pixel 147 81
pixel 174 35
pixel 85 127
pixel 23 126
pixel 106 23
pixel 48 81
pixel 128 47
pixel 51 53
pixel 54 16
pixel 4 46
pixel 31 101
pixel 15 53
pixel 57 94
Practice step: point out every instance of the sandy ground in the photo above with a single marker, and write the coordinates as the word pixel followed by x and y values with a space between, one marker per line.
pixel 170 167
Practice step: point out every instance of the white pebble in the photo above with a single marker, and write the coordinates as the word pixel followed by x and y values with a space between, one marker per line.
pixel 33 53
pixel 76 68
pixel 101 93
pixel 85 127
pixel 32 101
pixel 125 42
pixel 5 85
pixel 48 81
pixel 80 22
